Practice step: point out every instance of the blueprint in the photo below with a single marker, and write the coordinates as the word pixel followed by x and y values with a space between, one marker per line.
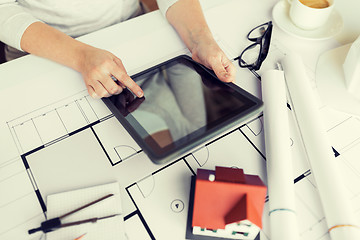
pixel 65 140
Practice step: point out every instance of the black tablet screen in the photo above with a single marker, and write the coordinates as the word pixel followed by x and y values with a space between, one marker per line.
pixel 182 101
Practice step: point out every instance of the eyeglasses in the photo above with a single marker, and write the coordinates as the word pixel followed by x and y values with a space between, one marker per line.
pixel 253 56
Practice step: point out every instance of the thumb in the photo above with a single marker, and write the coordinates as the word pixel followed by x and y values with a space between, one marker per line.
pixel 224 71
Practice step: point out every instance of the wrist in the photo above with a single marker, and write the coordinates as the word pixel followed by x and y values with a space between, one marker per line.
pixel 80 56
pixel 198 37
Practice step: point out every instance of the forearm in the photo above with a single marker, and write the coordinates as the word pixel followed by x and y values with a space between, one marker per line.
pixel 97 66
pixel 187 18
pixel 45 41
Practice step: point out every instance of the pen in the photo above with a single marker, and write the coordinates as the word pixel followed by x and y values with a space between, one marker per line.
pixel 251 70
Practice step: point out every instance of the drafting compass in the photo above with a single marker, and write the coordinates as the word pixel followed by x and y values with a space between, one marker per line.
pixel 55 223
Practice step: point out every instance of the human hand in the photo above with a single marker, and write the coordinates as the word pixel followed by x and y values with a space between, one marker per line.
pixel 189 21
pixel 207 52
pixel 104 74
pixel 126 102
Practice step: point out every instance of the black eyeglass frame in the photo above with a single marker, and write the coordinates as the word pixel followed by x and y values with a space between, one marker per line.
pixel 263 41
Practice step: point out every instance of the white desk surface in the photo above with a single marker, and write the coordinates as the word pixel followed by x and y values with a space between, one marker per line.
pixel 37 92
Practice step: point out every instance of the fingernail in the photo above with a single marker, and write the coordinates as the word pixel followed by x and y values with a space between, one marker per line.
pixel 119 91
pixel 94 95
pixel 140 94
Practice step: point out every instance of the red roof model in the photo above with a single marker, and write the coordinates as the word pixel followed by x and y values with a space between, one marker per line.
pixel 225 196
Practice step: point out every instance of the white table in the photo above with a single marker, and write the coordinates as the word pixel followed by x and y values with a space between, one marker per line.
pixel 33 88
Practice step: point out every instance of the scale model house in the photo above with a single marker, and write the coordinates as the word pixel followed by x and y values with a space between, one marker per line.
pixel 225 204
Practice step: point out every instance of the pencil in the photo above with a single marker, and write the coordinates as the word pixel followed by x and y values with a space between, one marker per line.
pixel 80 237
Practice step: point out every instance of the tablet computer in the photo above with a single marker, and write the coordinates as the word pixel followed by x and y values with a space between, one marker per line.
pixel 184 105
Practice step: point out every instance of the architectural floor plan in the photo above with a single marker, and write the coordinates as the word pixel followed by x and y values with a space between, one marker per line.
pixel 77 142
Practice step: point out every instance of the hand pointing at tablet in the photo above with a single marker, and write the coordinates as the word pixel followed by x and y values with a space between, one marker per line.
pixel 105 75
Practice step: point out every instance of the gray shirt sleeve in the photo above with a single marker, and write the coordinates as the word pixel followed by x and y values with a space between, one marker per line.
pixel 164 5
pixel 73 17
pixel 14 20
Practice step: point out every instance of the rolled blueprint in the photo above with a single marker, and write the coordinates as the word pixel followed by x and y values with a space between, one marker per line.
pixel 283 222
pixel 334 197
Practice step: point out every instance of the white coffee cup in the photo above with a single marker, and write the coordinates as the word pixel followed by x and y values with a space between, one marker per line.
pixel 309 18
